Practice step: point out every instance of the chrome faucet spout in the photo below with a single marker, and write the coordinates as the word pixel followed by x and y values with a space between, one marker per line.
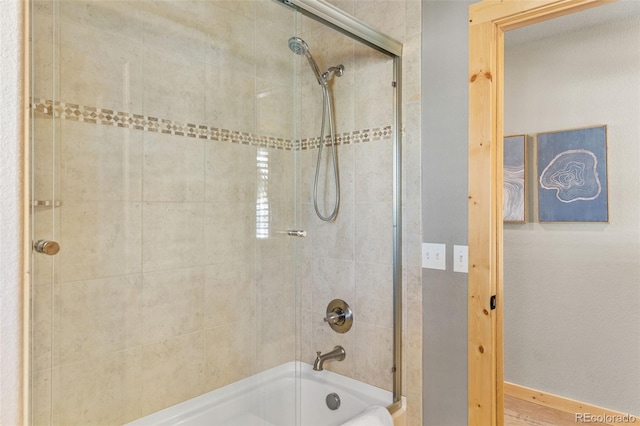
pixel 338 353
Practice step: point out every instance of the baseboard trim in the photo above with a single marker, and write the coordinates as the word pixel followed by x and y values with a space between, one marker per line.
pixel 568 405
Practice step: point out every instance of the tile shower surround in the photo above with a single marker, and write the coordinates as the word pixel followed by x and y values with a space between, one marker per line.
pixel 89 73
pixel 109 117
pixel 174 334
pixel 122 120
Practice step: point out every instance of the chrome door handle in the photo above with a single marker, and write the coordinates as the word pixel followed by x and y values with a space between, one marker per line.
pixel 47 247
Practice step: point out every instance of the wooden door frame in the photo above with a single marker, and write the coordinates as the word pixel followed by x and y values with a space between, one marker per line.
pixel 488 20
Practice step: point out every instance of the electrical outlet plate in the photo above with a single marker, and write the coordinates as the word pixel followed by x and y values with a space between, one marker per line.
pixel 434 256
pixel 461 259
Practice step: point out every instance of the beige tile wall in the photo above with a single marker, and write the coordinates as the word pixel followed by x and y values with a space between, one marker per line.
pixel 141 310
pixel 352 257
pixel 155 295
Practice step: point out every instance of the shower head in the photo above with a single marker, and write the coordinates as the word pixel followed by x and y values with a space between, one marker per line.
pixel 300 47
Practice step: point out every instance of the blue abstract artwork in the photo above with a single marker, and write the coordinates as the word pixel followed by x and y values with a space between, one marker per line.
pixel 513 192
pixel 572 176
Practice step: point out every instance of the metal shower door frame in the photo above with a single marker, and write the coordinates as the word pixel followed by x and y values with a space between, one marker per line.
pixel 337 19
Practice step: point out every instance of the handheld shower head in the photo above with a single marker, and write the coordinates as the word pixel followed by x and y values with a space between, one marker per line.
pixel 300 47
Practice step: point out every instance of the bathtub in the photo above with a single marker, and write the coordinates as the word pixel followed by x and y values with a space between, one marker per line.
pixel 269 398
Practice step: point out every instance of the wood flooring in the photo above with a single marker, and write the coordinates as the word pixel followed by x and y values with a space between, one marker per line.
pixel 518 412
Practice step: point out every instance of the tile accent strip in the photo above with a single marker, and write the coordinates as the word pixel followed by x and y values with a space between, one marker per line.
pixel 357 136
pixel 127 120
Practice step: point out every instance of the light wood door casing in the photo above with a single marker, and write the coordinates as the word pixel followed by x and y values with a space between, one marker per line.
pixel 488 20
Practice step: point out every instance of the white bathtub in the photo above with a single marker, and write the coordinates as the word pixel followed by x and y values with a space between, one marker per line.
pixel 269 399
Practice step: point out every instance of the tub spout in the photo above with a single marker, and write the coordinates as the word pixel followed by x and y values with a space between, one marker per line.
pixel 338 353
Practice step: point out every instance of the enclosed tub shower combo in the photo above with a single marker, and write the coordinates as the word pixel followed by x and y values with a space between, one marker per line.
pixel 215 214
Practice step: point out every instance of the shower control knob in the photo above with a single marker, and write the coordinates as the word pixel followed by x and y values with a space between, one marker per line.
pixel 47 247
pixel 339 316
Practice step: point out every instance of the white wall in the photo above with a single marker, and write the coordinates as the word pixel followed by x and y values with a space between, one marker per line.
pixel 572 291
pixel 10 196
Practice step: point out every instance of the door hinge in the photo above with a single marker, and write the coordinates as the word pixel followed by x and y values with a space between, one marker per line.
pixel 492 302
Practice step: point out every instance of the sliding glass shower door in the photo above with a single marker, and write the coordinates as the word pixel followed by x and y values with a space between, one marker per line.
pixel 162 168
pixel 174 150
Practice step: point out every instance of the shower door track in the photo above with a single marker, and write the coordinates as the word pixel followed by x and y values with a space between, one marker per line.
pixel 335 18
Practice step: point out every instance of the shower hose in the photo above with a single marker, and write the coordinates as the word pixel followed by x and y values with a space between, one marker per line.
pixel 327 110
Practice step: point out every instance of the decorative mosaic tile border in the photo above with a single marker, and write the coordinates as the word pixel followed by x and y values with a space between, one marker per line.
pixel 109 117
pixel 357 136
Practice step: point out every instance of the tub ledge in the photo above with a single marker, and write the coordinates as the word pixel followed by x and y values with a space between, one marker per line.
pixel 398 412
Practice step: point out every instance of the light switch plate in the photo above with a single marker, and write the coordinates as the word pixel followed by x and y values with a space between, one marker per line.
pixel 461 259
pixel 434 256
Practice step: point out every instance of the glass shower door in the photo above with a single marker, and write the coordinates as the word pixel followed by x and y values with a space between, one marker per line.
pixel 174 148
pixel 45 207
pixel 163 168
pixel 351 257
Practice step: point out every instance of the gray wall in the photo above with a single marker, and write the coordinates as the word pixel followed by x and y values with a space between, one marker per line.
pixel 444 208
pixel 572 291
pixel 444 162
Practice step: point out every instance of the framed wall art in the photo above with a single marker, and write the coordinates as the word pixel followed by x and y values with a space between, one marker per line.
pixel 514 169
pixel 572 175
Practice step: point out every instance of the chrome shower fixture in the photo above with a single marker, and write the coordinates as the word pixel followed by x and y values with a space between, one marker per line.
pixel 337 70
pixel 300 47
pixel 339 316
